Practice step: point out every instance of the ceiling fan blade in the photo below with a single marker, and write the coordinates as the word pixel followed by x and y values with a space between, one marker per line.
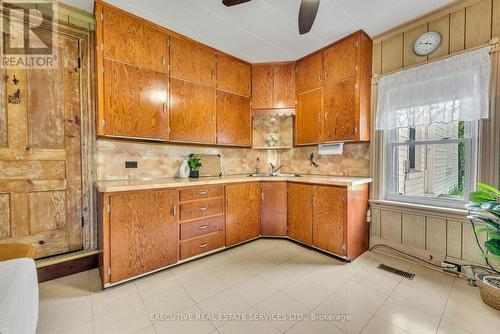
pixel 230 3
pixel 307 14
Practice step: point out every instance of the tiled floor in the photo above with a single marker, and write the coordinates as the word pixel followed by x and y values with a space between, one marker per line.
pixel 267 277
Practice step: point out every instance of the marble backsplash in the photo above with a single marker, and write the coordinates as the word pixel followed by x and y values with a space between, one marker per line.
pixel 163 160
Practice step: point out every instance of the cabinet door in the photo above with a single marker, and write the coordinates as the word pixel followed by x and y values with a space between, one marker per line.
pixel 284 86
pixel 262 87
pixel 233 75
pixel 310 73
pixel 273 209
pixel 132 41
pixel 329 218
pixel 191 62
pixel 309 118
pixel 192 112
pixel 144 232
pixel 300 198
pixel 340 60
pixel 234 120
pixel 242 212
pixel 340 111
pixel 135 101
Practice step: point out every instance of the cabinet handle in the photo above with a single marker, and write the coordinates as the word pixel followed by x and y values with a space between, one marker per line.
pixel 213 117
pixel 262 197
pixel 326 116
pixel 202 193
pixel 174 210
pixel 203 209
pixel 319 117
pixel 203 245
pixel 202 227
pixel 309 202
pixel 326 75
pixel 319 77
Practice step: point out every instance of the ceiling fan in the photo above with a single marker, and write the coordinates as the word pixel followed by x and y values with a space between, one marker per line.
pixel 307 12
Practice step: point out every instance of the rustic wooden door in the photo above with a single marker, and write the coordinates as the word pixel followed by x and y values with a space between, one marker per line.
pixel 340 60
pixel 329 218
pixel 234 119
pixel 144 232
pixel 242 212
pixel 340 111
pixel 300 197
pixel 310 73
pixel 40 155
pixel 309 118
pixel 284 86
pixel 233 75
pixel 273 209
pixel 262 86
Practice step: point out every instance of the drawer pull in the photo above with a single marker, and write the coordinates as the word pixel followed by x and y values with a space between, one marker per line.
pixel 203 209
pixel 201 193
pixel 202 227
pixel 203 245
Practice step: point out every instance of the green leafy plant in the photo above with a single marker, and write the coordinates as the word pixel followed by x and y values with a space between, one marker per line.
pixel 484 209
pixel 194 162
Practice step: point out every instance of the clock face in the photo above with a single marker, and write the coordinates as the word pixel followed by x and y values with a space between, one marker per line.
pixel 427 43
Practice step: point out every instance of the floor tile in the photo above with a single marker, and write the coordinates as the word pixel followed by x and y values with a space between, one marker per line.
pixel 168 302
pixel 156 283
pixel 191 323
pixel 307 293
pixel 204 287
pixel 277 276
pixel 329 277
pixel 254 290
pixel 249 327
pixel 314 327
pixel 130 319
pixel 280 303
pixel 362 296
pixel 380 326
pixel 217 262
pixel 113 298
pixel 86 328
pixel 225 302
pixel 233 275
pixel 189 271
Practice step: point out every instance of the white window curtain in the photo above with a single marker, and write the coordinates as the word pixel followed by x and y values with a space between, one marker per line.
pixel 455 88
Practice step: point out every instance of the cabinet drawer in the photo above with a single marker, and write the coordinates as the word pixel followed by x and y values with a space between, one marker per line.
pixel 201 208
pixel 202 244
pixel 201 192
pixel 201 227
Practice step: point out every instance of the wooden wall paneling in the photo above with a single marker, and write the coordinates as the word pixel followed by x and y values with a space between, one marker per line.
pixel 409 57
pixel 191 62
pixel 262 86
pixel 340 117
pixel 392 53
pixel 413 230
pixel 470 250
pixel 375 223
pixel 390 225
pixel 454 238
pixel 242 212
pixel 441 25
pixel 17 115
pixel 234 119
pixel 191 112
pixel 495 20
pixel 19 215
pixel 435 235
pixel 47 211
pixel 3 111
pixel 377 58
pixel 5 231
pixel 135 101
pixel 340 60
pixel 478 23
pixel 309 73
pixel 457 31
pixel 233 75
pixel 300 212
pixel 273 221
pixel 309 118
pixel 284 85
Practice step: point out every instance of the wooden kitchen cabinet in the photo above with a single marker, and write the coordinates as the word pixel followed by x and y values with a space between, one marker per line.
pixel 233 75
pixel 309 74
pixel 135 102
pixel 273 86
pixel 300 212
pixel 284 86
pixel 143 232
pixel 242 212
pixel 340 117
pixel 309 118
pixel 192 112
pixel 234 119
pixel 262 86
pixel 273 219
pixel 340 60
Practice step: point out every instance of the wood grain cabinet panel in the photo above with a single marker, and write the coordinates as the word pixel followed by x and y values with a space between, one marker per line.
pixel 273 209
pixel 233 75
pixel 133 41
pixel 201 208
pixel 340 60
pixel 300 212
pixel 310 73
pixel 135 101
pixel 201 193
pixel 202 244
pixel 144 232
pixel 309 118
pixel 329 219
pixel 284 86
pixel 234 119
pixel 201 227
pixel 192 112
pixel 191 62
pixel 262 86
pixel 340 111
pixel 242 212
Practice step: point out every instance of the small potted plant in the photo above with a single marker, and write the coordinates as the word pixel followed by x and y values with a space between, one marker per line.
pixel 194 163
pixel 485 210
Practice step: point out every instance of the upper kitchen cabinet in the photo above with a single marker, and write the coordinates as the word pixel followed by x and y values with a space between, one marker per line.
pixel 233 75
pixel 273 86
pixel 310 73
pixel 132 40
pixel 191 62
pixel 234 120
pixel 340 60
pixel 309 118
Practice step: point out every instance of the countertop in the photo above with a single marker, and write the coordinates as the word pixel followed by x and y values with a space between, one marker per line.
pixel 142 184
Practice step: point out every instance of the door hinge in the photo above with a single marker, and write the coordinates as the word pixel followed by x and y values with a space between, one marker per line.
pixel 357 43
pixel 343 247
pixel 109 271
pixel 79 62
pixel 103 123
pixel 83 221
pixel 102 46
pixel 109 207
pixel 102 17
pixel 102 69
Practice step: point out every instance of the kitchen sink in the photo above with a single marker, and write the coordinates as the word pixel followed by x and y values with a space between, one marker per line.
pixel 273 175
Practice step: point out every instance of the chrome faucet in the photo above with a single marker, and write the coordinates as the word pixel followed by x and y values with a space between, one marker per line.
pixel 275 170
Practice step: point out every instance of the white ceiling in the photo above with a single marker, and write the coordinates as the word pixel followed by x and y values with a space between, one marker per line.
pixel 266 30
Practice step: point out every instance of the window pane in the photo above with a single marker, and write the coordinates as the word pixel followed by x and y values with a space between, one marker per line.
pixel 452 130
pixel 437 170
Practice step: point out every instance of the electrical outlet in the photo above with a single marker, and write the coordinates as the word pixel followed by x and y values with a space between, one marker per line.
pixel 130 164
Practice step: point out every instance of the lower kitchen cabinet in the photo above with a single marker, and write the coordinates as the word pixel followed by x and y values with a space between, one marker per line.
pixel 242 212
pixel 143 232
pixel 273 209
pixel 300 212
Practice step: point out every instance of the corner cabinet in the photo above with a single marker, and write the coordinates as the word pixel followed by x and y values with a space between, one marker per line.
pixel 242 212
pixel 273 86
pixel 333 93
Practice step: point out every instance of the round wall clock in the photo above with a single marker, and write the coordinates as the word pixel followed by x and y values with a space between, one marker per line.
pixel 427 43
